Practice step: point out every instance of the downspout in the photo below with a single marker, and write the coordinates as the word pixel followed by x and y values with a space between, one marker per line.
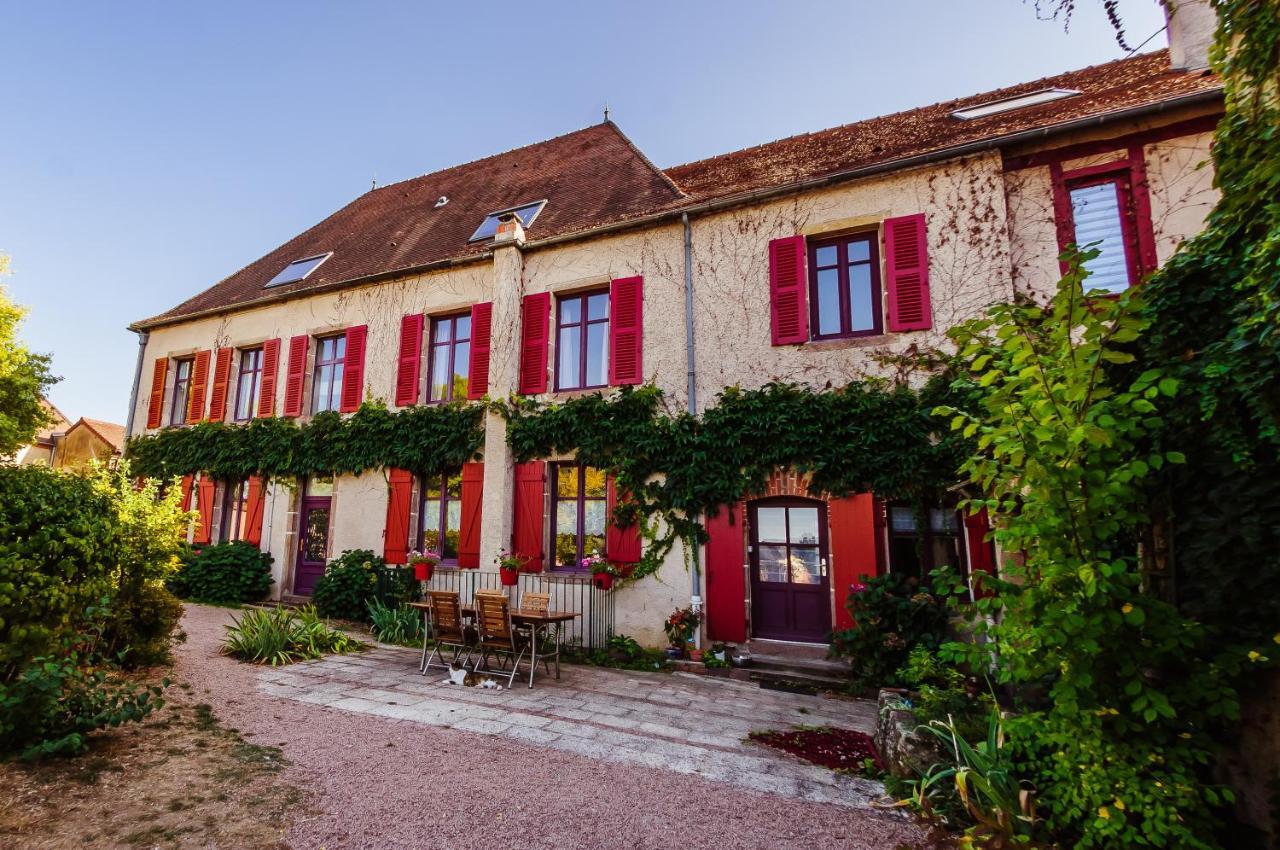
pixel 143 336
pixel 695 569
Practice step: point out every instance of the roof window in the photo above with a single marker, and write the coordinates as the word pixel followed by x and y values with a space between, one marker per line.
pixel 299 269
pixel 1008 104
pixel 526 212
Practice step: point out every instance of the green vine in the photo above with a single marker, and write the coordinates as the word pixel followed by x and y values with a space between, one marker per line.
pixel 422 439
pixel 869 436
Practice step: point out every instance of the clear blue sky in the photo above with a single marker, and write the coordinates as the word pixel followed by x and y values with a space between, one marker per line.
pixel 148 150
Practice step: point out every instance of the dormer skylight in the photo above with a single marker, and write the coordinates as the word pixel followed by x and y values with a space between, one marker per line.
pixel 488 227
pixel 1008 104
pixel 298 269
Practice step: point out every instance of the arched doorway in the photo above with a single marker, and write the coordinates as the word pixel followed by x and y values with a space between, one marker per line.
pixel 790 582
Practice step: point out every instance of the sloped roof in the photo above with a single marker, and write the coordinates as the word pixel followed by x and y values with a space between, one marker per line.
pixel 596 177
pixel 60 422
pixel 110 432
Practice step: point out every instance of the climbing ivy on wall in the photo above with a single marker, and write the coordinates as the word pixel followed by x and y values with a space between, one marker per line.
pixel 420 438
pixel 869 436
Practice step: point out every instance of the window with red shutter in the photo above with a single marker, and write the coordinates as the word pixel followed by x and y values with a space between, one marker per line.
pixel 854 553
pixel 297 375
pixel 478 368
pixel 353 369
pixel 255 501
pixel 409 363
pixel 526 535
pixel 221 382
pixel 533 343
pixel 155 406
pixel 187 481
pixel 626 331
pixel 788 310
pixel 199 387
pixel 396 540
pixel 204 504
pixel 270 368
pixel 726 578
pixel 622 545
pixel 907 273
pixel 472 500
pixel 982 552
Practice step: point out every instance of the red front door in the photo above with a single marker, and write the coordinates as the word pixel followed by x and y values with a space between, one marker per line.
pixel 313 543
pixel 790 588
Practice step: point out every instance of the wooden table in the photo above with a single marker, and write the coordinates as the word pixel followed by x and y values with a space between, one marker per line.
pixel 534 621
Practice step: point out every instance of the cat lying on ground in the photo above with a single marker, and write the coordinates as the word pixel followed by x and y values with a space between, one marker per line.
pixel 459 674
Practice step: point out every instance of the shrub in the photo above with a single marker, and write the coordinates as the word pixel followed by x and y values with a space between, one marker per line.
pixel 397 624
pixel 224 574
pixel 346 587
pixel 891 615
pixel 140 629
pixel 60 540
pixel 282 635
pixel 946 694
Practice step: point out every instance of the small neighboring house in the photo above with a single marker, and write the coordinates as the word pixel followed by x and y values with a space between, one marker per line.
pixel 801 260
pixel 40 450
pixel 86 441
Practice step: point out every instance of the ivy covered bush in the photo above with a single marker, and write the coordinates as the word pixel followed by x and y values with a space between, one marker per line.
pixel 892 615
pixel 348 585
pixel 223 574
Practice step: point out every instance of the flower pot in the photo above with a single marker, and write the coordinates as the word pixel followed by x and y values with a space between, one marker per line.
pixel 603 581
pixel 695 655
pixel 423 570
pixel 674 652
pixel 509 577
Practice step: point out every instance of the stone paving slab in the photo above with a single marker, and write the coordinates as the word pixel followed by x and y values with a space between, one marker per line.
pixel 677 722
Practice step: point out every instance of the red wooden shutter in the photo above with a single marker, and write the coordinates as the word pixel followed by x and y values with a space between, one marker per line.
pixel 187 481
pixel 270 369
pixel 726 578
pixel 621 545
pixel 788 290
pixel 534 334
pixel 297 375
pixel 478 368
pixel 982 555
pixel 221 381
pixel 395 548
pixel 409 364
pixel 853 548
pixel 526 536
pixel 199 384
pixel 469 527
pixel 255 500
pixel 626 331
pixel 204 504
pixel 353 369
pixel 155 407
pixel 907 271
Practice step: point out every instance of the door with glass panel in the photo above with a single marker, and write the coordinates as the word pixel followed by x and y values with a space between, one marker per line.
pixel 790 586
pixel 314 514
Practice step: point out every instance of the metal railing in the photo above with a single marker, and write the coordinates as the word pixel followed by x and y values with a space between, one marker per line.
pixel 573 593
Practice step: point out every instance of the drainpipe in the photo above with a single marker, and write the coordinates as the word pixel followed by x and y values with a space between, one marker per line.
pixel 695 598
pixel 137 378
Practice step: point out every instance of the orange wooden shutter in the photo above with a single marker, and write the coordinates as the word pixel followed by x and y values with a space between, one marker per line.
pixel 478 368
pixel 204 504
pixel 409 362
pixel 255 500
pixel 199 385
pixel 155 407
pixel 221 383
pixel 353 369
pixel 907 273
pixel 187 481
pixel 788 291
pixel 726 578
pixel 396 542
pixel 526 535
pixel 626 331
pixel 472 501
pixel 621 545
pixel 297 376
pixel 270 369
pixel 854 552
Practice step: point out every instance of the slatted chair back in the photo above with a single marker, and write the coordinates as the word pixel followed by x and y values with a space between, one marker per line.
pixel 539 602
pixel 493 619
pixel 446 614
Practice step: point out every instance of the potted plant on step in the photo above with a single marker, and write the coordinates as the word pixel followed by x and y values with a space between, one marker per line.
pixel 424 564
pixel 680 627
pixel 602 572
pixel 510 565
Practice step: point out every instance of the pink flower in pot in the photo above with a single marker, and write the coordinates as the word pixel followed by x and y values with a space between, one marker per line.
pixel 602 572
pixel 510 565
pixel 424 564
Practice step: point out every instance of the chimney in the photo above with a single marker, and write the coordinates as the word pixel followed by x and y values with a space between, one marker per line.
pixel 510 230
pixel 1191 27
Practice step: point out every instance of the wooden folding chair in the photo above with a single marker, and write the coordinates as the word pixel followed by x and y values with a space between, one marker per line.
pixel 541 603
pixel 496 634
pixel 448 629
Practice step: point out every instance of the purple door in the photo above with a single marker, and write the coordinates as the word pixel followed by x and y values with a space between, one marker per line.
pixel 313 543
pixel 790 588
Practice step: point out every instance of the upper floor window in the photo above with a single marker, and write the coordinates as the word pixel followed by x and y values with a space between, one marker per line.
pixel 579 508
pixel 235 513
pixel 844 287
pixel 248 383
pixel 326 382
pixel 918 551
pixel 450 358
pixel 582 341
pixel 1102 219
pixel 181 391
pixel 440 515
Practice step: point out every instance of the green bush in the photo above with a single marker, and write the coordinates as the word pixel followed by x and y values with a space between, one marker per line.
pixel 346 587
pixel 223 574
pixel 139 631
pixel 282 635
pixel 60 541
pixel 946 694
pixel 398 624
pixel 891 616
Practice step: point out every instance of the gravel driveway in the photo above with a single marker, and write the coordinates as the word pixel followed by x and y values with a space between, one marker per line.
pixel 386 783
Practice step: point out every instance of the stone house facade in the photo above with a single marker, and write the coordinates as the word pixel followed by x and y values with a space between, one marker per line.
pixel 798 260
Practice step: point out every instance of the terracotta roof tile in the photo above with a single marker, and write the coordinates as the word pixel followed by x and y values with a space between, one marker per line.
pixel 109 431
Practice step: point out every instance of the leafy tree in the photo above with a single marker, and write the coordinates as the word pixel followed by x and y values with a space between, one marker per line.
pixel 24 379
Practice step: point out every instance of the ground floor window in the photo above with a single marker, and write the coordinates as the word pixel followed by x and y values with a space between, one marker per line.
pixel 235 510
pixel 579 507
pixel 917 551
pixel 440 515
